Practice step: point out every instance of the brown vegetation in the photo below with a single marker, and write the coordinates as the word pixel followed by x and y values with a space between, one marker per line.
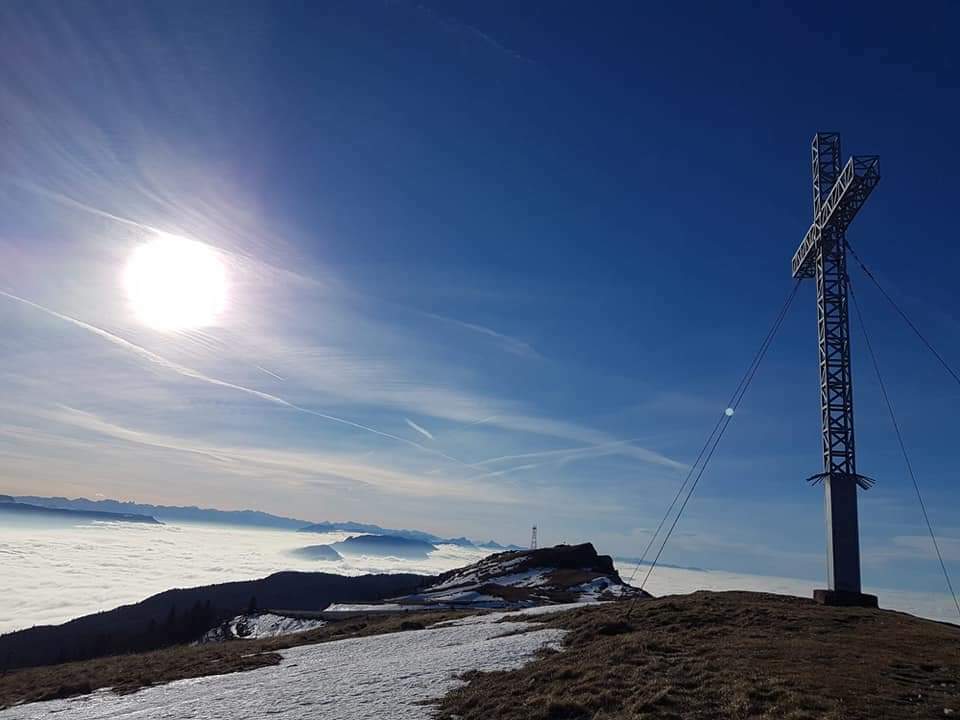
pixel 129 673
pixel 705 655
pixel 727 655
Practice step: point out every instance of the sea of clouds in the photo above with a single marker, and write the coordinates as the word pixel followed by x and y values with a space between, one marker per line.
pixel 51 574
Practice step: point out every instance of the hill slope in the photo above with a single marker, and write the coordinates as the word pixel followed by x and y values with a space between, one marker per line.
pixel 731 655
pixel 728 655
pixel 183 615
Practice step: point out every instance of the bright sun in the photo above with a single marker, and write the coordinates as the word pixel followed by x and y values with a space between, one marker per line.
pixel 176 284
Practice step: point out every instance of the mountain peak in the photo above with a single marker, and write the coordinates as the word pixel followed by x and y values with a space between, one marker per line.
pixel 522 578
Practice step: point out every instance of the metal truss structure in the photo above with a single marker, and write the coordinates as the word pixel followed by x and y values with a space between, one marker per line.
pixel 838 194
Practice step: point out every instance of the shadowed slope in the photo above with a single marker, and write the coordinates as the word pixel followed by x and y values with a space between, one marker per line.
pixel 184 615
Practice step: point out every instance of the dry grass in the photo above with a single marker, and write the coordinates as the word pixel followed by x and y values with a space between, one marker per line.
pixel 727 655
pixel 706 655
pixel 129 673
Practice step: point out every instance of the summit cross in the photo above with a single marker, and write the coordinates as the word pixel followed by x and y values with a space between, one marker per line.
pixel 839 191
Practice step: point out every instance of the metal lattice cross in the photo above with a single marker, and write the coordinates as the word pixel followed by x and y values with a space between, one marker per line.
pixel 838 194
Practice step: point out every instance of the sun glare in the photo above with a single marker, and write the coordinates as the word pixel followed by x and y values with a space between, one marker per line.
pixel 176 284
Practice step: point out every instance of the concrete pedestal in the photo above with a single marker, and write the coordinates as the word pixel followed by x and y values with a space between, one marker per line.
pixel 841 598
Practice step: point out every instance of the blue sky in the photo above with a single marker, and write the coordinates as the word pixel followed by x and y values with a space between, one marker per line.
pixel 529 248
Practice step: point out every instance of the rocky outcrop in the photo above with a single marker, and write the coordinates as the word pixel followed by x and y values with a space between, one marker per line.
pixel 522 578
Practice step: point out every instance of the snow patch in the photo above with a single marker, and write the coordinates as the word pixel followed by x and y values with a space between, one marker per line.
pixel 261 625
pixel 371 608
pixel 382 677
pixel 598 587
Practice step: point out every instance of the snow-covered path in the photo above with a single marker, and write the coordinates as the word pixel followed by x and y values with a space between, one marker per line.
pixel 383 677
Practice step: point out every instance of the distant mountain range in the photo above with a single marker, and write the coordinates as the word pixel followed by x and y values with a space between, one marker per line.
pixel 249 518
pixel 253 518
pixel 368 529
pixel 13 509
pixel 370 545
pixel 350 526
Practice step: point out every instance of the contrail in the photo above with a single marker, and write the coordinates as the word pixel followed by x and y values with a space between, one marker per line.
pixel 197 375
pixel 458 26
pixel 507 471
pixel 509 343
pixel 70 202
pixel 423 431
pixel 481 422
pixel 573 453
pixel 271 374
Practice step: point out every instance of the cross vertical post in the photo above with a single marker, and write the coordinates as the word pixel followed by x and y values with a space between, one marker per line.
pixel 838 193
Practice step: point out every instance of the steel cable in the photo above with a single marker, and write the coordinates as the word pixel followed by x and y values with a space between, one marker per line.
pixel 713 440
pixel 906 319
pixel 903 447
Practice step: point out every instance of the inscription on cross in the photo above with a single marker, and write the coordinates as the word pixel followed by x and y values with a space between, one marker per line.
pixel 838 194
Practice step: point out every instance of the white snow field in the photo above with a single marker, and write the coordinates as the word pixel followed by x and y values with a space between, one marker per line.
pixel 383 677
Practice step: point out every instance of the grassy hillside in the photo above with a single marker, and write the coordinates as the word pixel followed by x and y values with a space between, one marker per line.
pixel 728 655
pixel 707 655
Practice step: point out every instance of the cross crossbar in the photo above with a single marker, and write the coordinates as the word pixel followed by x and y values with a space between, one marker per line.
pixel 856 181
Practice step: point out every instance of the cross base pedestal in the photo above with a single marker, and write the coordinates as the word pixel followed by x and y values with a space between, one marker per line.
pixel 842 598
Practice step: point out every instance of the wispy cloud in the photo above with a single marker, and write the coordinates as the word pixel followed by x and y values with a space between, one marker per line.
pixel 594 442
pixel 913 548
pixel 606 448
pixel 423 431
pixel 355 379
pixel 565 456
pixel 197 375
pixel 303 464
